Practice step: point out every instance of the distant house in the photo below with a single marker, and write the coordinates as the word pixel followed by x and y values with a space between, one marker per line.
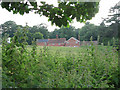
pixel 51 42
pixel 72 42
pixel 42 42
pixel 56 42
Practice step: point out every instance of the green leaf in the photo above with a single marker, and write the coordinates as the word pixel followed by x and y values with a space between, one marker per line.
pixel 34 4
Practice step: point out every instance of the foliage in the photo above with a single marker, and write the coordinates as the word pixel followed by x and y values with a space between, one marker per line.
pixel 42 28
pixel 9 27
pixel 0 38
pixel 38 35
pixel 113 19
pixel 37 32
pixel 57 67
pixel 61 15
pixel 105 33
pixel 64 32
pixel 15 71
pixel 87 31
pixel 115 14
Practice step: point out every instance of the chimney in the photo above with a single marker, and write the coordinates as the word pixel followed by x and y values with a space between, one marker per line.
pixel 56 36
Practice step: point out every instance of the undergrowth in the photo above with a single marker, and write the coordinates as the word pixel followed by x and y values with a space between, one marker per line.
pixel 57 67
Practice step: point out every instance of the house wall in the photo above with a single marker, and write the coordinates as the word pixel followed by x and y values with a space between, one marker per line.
pixel 72 43
pixel 41 43
pixel 50 44
pixel 55 44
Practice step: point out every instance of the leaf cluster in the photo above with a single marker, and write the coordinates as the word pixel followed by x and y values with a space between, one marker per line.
pixel 61 15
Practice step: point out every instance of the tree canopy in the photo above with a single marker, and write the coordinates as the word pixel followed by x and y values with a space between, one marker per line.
pixel 115 17
pixel 38 31
pixel 64 32
pixel 87 31
pixel 61 15
pixel 9 27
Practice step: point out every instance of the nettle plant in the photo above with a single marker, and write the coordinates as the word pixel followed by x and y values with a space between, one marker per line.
pixel 25 66
pixel 16 59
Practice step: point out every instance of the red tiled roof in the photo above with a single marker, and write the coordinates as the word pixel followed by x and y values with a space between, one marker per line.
pixel 59 40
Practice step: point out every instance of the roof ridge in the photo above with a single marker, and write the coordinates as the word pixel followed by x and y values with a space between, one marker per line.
pixel 73 38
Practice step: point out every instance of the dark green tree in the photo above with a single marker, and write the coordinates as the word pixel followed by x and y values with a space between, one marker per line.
pixel 64 32
pixel 113 30
pixel 9 27
pixel 42 28
pixel 87 31
pixel 38 35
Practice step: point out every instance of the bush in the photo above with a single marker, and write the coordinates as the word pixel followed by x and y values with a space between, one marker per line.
pixel 50 67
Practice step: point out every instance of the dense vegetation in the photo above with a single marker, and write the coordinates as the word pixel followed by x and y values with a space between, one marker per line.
pixel 26 65
pixel 63 14
pixel 83 67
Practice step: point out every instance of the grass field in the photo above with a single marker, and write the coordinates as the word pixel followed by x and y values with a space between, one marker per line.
pixel 64 67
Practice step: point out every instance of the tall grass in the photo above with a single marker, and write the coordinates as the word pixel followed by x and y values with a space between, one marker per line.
pixel 59 67
pixel 84 67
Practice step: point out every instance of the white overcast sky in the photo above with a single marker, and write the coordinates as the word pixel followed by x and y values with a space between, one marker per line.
pixel 34 19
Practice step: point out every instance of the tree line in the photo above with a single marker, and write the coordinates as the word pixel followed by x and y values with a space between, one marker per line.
pixel 105 33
